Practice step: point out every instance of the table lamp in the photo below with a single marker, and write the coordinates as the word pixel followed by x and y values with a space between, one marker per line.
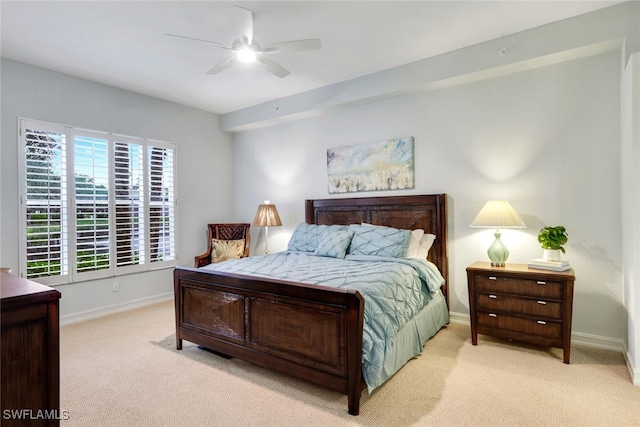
pixel 497 214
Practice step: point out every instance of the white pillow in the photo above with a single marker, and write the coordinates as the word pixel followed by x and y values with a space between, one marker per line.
pixel 425 244
pixel 414 242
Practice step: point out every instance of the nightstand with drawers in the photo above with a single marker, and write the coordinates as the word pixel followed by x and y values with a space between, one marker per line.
pixel 521 304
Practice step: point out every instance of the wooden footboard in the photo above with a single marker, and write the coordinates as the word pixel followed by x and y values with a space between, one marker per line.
pixel 310 332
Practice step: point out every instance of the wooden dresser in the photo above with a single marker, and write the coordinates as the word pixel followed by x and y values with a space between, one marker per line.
pixel 522 304
pixel 30 353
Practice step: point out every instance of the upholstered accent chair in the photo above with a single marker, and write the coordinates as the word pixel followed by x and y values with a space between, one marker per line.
pixel 232 233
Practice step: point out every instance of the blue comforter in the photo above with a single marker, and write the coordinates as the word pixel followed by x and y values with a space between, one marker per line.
pixel 394 290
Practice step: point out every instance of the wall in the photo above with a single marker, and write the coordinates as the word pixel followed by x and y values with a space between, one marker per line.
pixel 547 140
pixel 204 155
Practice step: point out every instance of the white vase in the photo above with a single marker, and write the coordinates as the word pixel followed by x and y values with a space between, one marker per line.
pixel 551 254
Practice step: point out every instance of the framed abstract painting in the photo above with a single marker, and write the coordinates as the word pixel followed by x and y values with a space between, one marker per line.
pixel 372 166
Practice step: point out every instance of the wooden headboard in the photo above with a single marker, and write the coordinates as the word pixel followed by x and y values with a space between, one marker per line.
pixel 428 212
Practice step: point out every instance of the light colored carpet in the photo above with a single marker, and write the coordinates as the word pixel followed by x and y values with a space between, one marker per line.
pixel 124 370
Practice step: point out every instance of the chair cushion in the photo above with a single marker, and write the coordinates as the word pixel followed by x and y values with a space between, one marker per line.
pixel 222 250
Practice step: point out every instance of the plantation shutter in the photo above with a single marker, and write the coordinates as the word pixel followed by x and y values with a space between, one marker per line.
pixel 129 203
pixel 44 201
pixel 91 202
pixel 162 218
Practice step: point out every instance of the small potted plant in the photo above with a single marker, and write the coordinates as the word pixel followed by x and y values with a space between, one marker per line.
pixel 552 240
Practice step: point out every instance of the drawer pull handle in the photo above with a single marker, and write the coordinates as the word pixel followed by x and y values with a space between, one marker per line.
pixel 541 322
pixel 540 282
pixel 493 315
pixel 492 278
pixel 493 296
pixel 542 302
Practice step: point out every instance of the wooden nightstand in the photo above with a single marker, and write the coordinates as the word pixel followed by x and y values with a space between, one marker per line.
pixel 522 304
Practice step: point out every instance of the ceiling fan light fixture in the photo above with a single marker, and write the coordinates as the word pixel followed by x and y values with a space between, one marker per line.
pixel 246 54
pixel 246 49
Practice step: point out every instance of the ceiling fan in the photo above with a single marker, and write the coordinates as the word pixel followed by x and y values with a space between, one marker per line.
pixel 247 49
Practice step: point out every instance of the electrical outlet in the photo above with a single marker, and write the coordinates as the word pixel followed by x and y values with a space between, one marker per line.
pixel 116 287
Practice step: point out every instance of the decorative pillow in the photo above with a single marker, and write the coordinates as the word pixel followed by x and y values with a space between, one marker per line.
pixel 306 237
pixel 334 244
pixel 414 242
pixel 425 244
pixel 222 250
pixel 379 241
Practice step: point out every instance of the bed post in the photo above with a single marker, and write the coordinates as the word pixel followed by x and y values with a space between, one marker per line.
pixel 178 304
pixel 355 324
pixel 443 262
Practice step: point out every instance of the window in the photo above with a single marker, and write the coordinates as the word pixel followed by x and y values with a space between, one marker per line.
pixel 94 204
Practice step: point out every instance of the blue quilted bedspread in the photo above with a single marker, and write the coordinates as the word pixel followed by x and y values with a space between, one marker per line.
pixel 394 290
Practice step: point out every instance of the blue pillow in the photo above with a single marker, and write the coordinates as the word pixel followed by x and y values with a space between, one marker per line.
pixel 379 241
pixel 306 237
pixel 334 244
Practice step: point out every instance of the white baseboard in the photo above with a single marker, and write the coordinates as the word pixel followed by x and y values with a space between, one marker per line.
pixel 634 372
pixel 459 318
pixel 577 338
pixel 112 309
pixel 596 341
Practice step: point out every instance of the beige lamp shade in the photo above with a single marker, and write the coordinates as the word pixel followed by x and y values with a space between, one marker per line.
pixel 498 214
pixel 267 215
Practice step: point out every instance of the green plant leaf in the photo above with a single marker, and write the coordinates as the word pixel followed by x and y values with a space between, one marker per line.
pixel 553 238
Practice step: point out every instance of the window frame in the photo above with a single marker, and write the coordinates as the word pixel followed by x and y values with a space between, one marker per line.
pixel 68 221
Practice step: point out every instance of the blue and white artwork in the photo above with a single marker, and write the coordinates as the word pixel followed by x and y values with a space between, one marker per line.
pixel 373 166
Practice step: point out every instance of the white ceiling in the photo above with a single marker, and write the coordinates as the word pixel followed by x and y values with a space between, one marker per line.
pixel 122 43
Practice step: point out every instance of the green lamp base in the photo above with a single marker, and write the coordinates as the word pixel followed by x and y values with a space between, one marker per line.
pixel 497 252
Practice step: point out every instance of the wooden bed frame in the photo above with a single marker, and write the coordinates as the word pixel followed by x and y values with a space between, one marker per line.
pixel 307 331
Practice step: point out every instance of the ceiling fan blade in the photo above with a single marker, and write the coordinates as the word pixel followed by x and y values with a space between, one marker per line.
pixel 244 24
pixel 221 66
pixel 200 40
pixel 273 68
pixel 292 46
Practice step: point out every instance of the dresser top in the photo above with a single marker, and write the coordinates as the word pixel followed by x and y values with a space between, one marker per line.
pixel 520 269
pixel 16 290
